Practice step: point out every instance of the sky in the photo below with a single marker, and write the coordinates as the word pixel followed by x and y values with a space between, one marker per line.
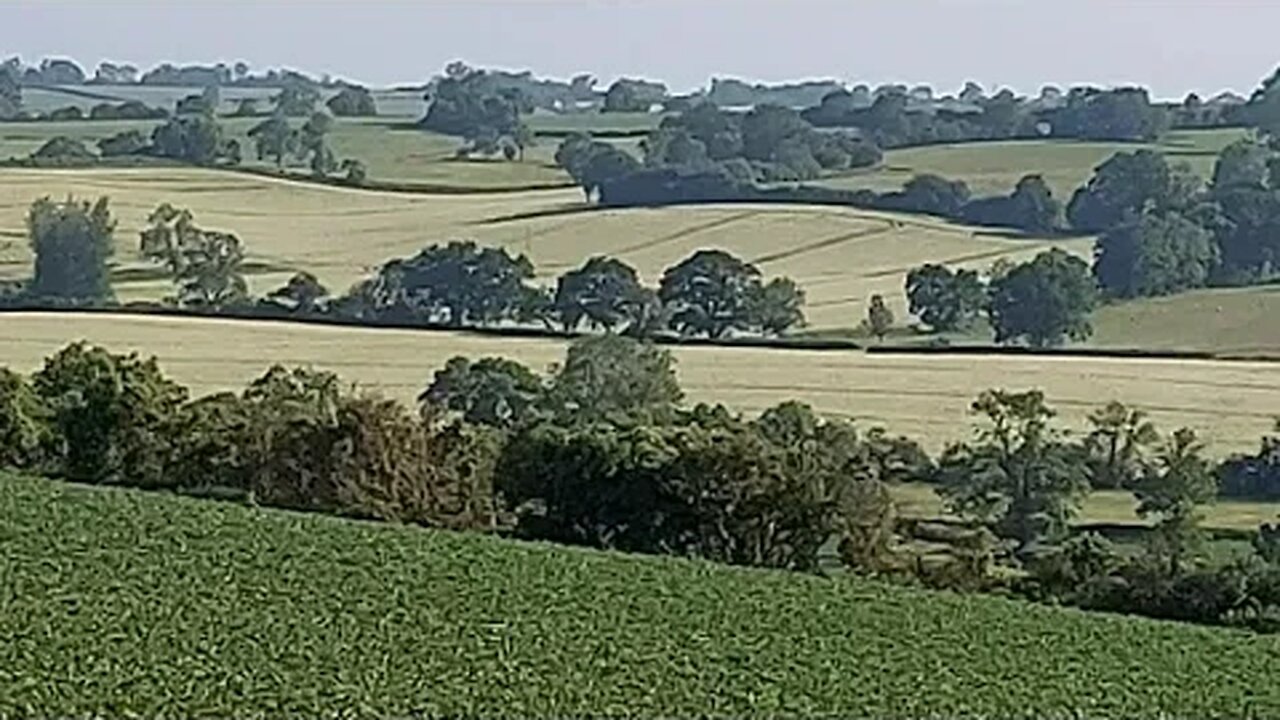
pixel 1171 47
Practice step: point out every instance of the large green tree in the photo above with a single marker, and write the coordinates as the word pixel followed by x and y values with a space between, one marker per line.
pixel 111 415
pixel 605 292
pixel 490 391
pixel 1172 491
pixel 352 101
pixel 1019 474
pixel 944 299
pixel 459 283
pixel 615 378
pixel 1154 254
pixel 711 293
pixel 72 242
pixel 1044 301
pixel 1127 184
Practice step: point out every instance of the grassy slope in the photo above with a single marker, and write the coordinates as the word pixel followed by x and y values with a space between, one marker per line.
pixel 926 397
pixel 117 602
pixel 1243 321
pixel 993 168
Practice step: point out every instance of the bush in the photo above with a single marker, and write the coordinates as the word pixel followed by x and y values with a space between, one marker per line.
pixel 24 431
pixel 111 415
pixel 718 493
pixel 63 151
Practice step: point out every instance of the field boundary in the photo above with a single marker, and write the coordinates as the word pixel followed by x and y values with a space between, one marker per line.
pixel 775 343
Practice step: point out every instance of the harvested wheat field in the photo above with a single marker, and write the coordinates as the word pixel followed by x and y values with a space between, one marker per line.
pixel 1230 403
pixel 839 256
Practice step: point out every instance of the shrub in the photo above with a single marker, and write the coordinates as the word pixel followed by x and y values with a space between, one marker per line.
pixel 111 415
pixel 23 422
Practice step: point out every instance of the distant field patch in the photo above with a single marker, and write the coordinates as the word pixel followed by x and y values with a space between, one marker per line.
pixel 993 168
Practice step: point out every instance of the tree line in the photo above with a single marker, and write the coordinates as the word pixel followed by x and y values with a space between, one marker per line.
pixel 602 451
pixel 460 284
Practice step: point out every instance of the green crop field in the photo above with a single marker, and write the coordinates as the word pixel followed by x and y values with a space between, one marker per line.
pixel 992 168
pixel 839 256
pixel 1230 403
pixel 119 603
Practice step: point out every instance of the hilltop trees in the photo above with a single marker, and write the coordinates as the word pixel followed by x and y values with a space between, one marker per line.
pixel 1044 301
pixel 471 104
pixel 10 91
pixel 72 242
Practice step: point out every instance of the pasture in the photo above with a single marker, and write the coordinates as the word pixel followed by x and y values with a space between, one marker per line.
pixel 840 256
pixel 119 602
pixel 993 168
pixel 1230 403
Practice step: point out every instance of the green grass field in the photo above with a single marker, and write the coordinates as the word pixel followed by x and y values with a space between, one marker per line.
pixel 119 603
pixel 993 168
pixel 1232 404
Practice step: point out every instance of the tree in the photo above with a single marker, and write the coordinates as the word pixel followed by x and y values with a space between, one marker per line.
pixel 605 292
pixel 490 391
pixel 1117 447
pixel 1019 475
pixel 604 164
pixel 1033 207
pixel 718 493
pixel 129 142
pixel 303 294
pixel 72 242
pixel 632 96
pixel 1243 163
pixel 274 138
pixel 196 139
pixel 1154 254
pixel 942 299
pixel 110 415
pixel 766 127
pixel 522 138
pixel 24 422
pixel 458 283
pixel 205 264
pixel 710 293
pixel 777 306
pixel 352 101
pixel 311 141
pixel 1044 301
pixel 1123 186
pixel 879 317
pixel 609 378
pixel 63 151
pixel 296 99
pixel 10 92
pixel 930 194
pixel 1172 491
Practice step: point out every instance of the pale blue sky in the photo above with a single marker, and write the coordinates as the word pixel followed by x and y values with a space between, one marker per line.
pixel 1172 47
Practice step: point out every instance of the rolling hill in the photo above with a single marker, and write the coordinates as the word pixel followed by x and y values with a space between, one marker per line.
pixel 119 603
pixel 839 256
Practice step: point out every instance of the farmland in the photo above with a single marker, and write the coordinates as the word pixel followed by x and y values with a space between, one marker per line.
pixel 839 256
pixel 992 168
pixel 924 396
pixel 120 602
